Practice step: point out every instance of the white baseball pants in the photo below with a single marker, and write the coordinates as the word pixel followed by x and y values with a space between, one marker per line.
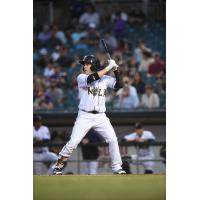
pixel 39 167
pixel 84 122
pixel 148 165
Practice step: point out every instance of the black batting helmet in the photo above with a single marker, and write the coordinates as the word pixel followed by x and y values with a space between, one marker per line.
pixel 138 125
pixel 91 59
pixel 37 118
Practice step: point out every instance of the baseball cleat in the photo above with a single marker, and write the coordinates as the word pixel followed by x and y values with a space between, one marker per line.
pixel 120 171
pixel 57 171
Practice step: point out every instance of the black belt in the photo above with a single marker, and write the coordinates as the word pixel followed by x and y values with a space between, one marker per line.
pixel 93 111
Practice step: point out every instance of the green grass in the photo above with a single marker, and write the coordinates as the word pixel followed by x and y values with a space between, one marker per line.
pixel 108 187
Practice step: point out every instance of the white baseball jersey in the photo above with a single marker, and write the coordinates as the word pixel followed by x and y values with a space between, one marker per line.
pixel 92 96
pixel 143 151
pixel 42 134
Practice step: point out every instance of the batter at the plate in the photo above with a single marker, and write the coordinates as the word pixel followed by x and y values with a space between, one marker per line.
pixel 92 86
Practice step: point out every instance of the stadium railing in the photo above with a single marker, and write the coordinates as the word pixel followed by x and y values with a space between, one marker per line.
pixel 137 145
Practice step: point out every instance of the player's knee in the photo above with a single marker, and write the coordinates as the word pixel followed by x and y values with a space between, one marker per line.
pixel 72 144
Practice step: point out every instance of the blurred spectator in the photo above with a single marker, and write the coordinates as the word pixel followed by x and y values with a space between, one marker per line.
pixel 56 54
pixel 91 153
pixel 59 76
pixel 59 34
pixel 123 16
pixel 110 41
pixel 64 60
pixel 136 16
pixel 127 96
pixel 78 34
pixel 35 56
pixel 126 49
pixel 138 83
pixel 93 35
pixel 44 35
pixel 36 42
pixel 90 16
pixel 44 58
pixel 82 44
pixel 157 68
pixel 42 101
pixel 150 99
pixel 49 70
pixel 138 52
pixel 38 84
pixel 119 26
pixel 132 69
pixel 55 93
pixel 53 41
pixel 145 152
pixel 102 58
pixel 160 87
pixel 41 154
pixel 147 59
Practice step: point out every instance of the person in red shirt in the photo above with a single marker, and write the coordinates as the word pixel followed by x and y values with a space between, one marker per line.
pixel 157 68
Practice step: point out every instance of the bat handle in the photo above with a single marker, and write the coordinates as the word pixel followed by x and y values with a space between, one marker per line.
pixel 108 56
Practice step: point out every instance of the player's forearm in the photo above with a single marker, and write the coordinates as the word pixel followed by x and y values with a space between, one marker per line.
pixel 118 83
pixel 103 72
pixel 97 75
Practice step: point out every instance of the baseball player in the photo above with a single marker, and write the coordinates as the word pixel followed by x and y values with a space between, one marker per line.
pixel 41 154
pixel 146 152
pixel 92 86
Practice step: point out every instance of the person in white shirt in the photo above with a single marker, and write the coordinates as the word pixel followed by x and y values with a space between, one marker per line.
pixel 78 34
pixel 90 16
pixel 138 52
pixel 150 99
pixel 145 152
pixel 60 34
pixel 41 154
pixel 92 86
pixel 146 61
pixel 127 96
pixel 49 70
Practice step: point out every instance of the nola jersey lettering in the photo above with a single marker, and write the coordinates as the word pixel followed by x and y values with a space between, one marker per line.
pixel 96 91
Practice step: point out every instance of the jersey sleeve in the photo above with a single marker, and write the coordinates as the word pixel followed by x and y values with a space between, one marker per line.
pixel 82 80
pixel 110 81
pixel 149 136
pixel 131 136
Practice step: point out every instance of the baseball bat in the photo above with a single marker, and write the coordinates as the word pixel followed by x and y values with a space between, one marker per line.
pixel 105 48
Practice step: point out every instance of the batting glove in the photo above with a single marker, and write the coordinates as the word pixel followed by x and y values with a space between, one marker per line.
pixel 115 67
pixel 112 65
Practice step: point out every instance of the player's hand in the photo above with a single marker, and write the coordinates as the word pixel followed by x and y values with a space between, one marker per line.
pixel 113 64
pixel 115 68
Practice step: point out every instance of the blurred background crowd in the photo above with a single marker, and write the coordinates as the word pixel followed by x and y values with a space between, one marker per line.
pixel 136 41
